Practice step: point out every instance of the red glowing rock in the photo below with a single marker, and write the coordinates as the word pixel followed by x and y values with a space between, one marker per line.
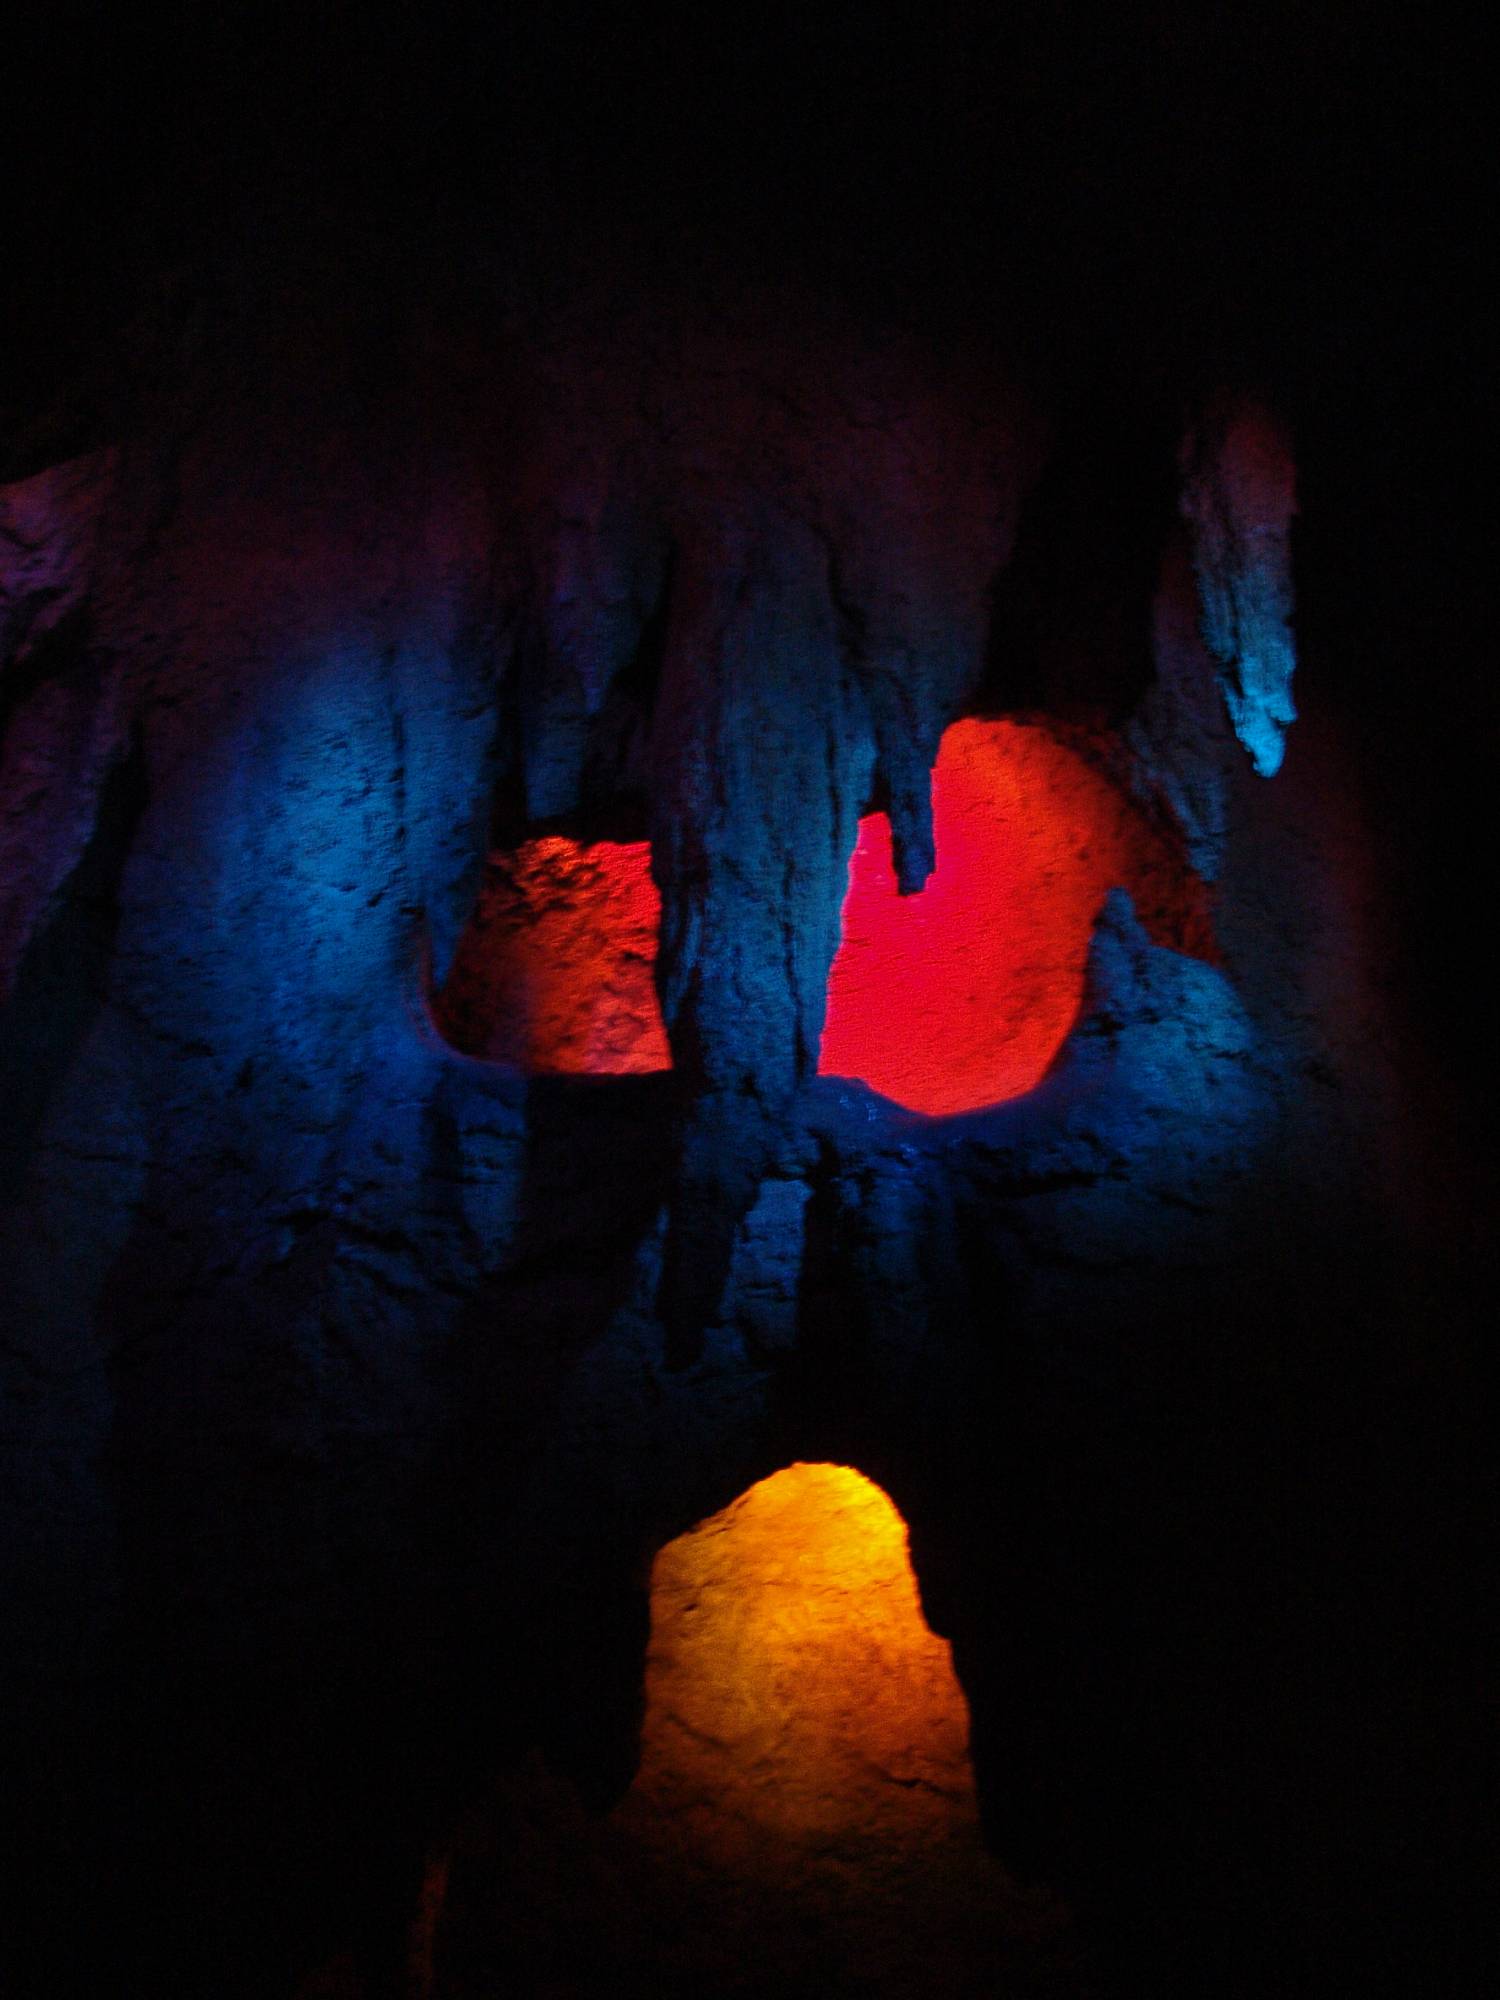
pixel 954 998
pixel 961 995
pixel 554 975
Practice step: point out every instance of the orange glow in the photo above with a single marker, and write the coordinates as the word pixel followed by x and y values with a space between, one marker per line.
pixel 555 973
pixel 804 1815
pixel 961 995
pixel 797 1702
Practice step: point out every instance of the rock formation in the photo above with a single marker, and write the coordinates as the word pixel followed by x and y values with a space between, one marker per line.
pixel 363 1345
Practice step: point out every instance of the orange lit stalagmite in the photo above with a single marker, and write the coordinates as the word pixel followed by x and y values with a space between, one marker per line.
pixel 794 1692
pixel 793 1689
pixel 805 1753
pixel 804 1796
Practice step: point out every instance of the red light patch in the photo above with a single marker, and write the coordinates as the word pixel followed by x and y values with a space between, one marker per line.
pixel 554 974
pixel 944 1001
pixel 961 996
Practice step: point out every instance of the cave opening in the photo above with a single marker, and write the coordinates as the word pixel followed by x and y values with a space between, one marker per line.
pixel 796 1699
pixel 962 995
pixel 945 1001
pixel 555 972
pixel 805 1787
pixel 804 1815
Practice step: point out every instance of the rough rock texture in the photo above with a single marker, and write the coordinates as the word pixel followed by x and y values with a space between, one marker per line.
pixel 555 971
pixel 950 999
pixel 961 996
pixel 351 1382
pixel 792 1686
pixel 61 708
pixel 804 1798
pixel 1238 498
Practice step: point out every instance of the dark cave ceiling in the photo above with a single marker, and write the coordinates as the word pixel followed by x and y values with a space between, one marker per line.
pixel 384 403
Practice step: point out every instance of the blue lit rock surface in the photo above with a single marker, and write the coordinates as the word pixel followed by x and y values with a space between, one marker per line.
pixel 351 1383
pixel 1238 499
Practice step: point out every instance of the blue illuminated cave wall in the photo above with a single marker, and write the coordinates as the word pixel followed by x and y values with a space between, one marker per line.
pixel 351 1381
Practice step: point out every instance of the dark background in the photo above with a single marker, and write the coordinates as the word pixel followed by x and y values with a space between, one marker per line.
pixel 1288 197
pixel 1170 197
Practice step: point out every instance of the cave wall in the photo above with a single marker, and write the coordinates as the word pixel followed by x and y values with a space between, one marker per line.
pixel 353 1382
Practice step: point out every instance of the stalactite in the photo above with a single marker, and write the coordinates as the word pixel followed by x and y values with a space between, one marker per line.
pixel 1238 497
